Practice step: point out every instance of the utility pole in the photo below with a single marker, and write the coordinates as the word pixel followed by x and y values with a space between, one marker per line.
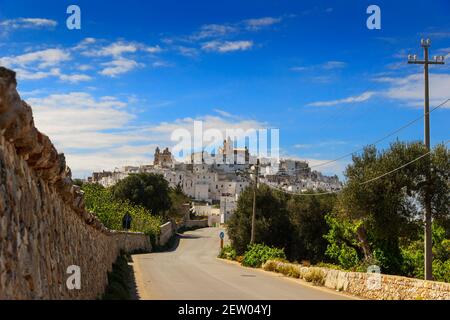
pixel 412 59
pixel 256 172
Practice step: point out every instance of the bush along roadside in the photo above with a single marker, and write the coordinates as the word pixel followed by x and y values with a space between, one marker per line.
pixel 309 274
pixel 273 259
pixel 255 256
pixel 228 253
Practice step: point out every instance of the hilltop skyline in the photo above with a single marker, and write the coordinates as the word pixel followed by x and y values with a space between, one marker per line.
pixel 108 94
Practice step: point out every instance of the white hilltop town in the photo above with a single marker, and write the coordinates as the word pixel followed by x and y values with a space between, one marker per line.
pixel 215 181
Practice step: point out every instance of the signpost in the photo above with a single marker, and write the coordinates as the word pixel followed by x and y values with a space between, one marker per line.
pixel 222 236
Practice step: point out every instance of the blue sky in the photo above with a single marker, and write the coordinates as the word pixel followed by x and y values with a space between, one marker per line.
pixel 109 93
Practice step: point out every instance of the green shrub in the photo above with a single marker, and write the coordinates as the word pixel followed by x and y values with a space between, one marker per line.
pixel 228 252
pixel 441 270
pixel 110 211
pixel 258 254
pixel 330 266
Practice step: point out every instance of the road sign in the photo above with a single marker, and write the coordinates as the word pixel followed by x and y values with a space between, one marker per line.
pixel 222 235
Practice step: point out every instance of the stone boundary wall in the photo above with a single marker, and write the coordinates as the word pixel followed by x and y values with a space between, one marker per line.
pixel 196 223
pixel 44 225
pixel 366 285
pixel 169 229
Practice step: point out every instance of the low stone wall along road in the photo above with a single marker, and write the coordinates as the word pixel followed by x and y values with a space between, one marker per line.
pixel 192 271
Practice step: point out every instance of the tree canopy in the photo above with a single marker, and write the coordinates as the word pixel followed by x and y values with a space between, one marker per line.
pixel 145 189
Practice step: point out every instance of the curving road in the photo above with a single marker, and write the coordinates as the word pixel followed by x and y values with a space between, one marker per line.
pixel 192 271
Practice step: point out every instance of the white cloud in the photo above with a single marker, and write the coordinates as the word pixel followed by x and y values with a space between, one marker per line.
pixel 98 133
pixel 77 119
pixel 83 164
pixel 217 31
pixel 437 35
pixel 227 46
pixel 85 43
pixel 84 67
pixel 187 51
pixel 26 74
pixel 354 99
pixel 256 24
pixel 43 58
pixel 329 65
pixel 28 23
pixel 410 89
pixel 116 49
pixel 320 144
pixel 223 113
pixel 214 31
pixel 154 49
pixel 333 65
pixel 74 78
pixel 161 64
pixel 118 66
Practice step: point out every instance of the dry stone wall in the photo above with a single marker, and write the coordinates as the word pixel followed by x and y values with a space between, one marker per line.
pixel 44 225
pixel 368 285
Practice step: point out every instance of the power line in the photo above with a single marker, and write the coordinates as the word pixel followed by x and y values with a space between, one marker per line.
pixel 301 194
pixel 362 183
pixel 377 141
pixel 396 169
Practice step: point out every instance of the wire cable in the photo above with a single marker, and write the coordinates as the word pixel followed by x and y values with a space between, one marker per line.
pixel 377 141
pixel 362 183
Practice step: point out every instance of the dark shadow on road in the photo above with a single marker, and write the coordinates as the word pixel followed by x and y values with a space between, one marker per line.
pixel 188 236
pixel 134 295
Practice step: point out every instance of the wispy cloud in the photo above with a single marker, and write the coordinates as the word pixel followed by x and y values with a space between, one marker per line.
pixel 101 133
pixel 320 144
pixel 328 65
pixel 220 37
pixel 42 64
pixel 437 34
pixel 121 54
pixel 44 58
pixel 28 23
pixel 227 46
pixel 409 89
pixel 353 99
pixel 259 23
pixel 118 66
pixel 214 31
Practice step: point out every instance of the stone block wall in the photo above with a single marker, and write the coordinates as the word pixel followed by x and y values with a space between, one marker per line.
pixel 370 285
pixel 196 223
pixel 167 231
pixel 44 225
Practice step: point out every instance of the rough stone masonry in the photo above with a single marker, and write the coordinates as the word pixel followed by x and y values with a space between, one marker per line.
pixel 44 225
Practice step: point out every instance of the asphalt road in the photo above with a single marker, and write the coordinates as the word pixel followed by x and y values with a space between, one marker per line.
pixel 192 271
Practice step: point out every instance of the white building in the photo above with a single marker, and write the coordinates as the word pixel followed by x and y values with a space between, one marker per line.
pixel 228 206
